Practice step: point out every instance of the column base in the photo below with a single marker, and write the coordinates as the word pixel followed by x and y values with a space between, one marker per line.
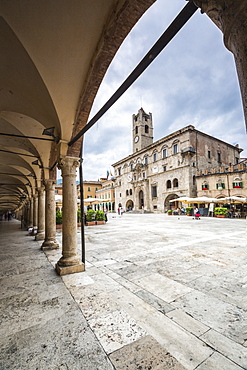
pixel 69 269
pixel 49 244
pixel 40 236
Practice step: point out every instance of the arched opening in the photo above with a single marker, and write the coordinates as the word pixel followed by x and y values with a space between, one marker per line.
pixel 168 184
pixel 129 205
pixel 171 205
pixel 175 183
pixel 141 199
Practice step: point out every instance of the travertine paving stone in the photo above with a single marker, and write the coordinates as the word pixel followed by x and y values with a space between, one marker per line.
pixel 145 354
pixel 179 283
pixel 41 326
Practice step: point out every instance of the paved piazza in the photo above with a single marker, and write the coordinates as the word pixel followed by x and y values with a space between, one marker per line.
pixel 159 292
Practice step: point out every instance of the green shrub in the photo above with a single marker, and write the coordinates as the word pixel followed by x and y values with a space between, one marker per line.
pixel 59 218
pixel 189 210
pixel 79 215
pixel 90 215
pixel 220 211
pixel 99 216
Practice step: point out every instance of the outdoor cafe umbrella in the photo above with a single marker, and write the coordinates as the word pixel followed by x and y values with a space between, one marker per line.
pixel 234 199
pixel 182 199
pixel 198 200
pixel 90 201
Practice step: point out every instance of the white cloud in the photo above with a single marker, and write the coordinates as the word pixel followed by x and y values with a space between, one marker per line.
pixel 193 81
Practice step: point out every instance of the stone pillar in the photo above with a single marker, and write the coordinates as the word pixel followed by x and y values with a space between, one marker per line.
pixel 50 216
pixel 30 222
pixel 41 214
pixel 70 260
pixel 231 17
pixel 35 211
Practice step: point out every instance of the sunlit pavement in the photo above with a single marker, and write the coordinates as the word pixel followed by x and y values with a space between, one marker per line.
pixel 159 292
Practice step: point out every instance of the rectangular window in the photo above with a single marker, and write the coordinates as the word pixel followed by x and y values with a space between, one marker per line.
pixel 119 171
pixel 220 186
pixel 175 149
pixel 88 189
pixel 56 191
pixel 209 154
pixel 155 157
pixel 237 184
pixel 237 160
pixel 154 191
pixel 205 187
pixel 164 153
pixel 96 189
pixel 146 160
pixel 164 168
pixel 144 175
pixel 219 157
pixel 155 207
pixel 131 166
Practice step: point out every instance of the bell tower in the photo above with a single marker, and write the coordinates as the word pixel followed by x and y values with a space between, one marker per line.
pixel 142 130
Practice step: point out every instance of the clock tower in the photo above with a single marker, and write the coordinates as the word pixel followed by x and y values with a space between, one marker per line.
pixel 142 130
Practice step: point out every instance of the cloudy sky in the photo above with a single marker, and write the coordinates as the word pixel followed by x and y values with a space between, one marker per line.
pixel 193 81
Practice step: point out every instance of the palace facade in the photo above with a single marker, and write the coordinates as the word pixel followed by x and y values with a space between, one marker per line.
pixel 159 171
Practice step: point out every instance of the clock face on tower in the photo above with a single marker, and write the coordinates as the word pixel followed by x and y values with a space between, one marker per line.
pixel 136 139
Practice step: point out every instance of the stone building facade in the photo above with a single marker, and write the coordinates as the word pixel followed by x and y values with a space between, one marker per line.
pixel 226 181
pixel 107 194
pixel 157 172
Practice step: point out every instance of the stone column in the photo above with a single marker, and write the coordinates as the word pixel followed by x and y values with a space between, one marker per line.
pixel 35 211
pixel 70 260
pixel 30 222
pixel 50 216
pixel 41 214
pixel 231 17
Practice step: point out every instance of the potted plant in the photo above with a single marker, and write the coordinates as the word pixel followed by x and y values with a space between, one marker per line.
pixel 220 212
pixel 99 217
pixel 90 217
pixel 169 212
pixel 189 211
pixel 59 219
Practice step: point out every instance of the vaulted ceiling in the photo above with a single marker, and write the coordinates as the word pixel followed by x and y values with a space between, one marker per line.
pixel 53 57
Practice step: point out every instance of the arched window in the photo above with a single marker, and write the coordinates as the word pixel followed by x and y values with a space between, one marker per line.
pixel 136 129
pixel 194 180
pixel 130 191
pixel 168 184
pixel 175 183
pixel 127 192
pixel 146 129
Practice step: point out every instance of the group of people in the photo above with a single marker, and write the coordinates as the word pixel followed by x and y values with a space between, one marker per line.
pixel 179 211
pixel 7 216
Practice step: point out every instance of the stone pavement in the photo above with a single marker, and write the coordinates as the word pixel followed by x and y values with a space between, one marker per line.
pixel 159 292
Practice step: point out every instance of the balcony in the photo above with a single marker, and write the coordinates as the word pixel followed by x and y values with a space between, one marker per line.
pixel 189 150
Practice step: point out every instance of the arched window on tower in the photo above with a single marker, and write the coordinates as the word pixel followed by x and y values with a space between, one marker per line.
pixel 175 183
pixel 146 129
pixel 168 184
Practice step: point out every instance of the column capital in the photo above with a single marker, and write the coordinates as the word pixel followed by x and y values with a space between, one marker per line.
pixel 49 183
pixel 68 165
pixel 224 13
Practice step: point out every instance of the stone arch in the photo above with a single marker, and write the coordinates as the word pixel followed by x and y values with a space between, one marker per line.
pixel 141 199
pixel 168 204
pixel 129 205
